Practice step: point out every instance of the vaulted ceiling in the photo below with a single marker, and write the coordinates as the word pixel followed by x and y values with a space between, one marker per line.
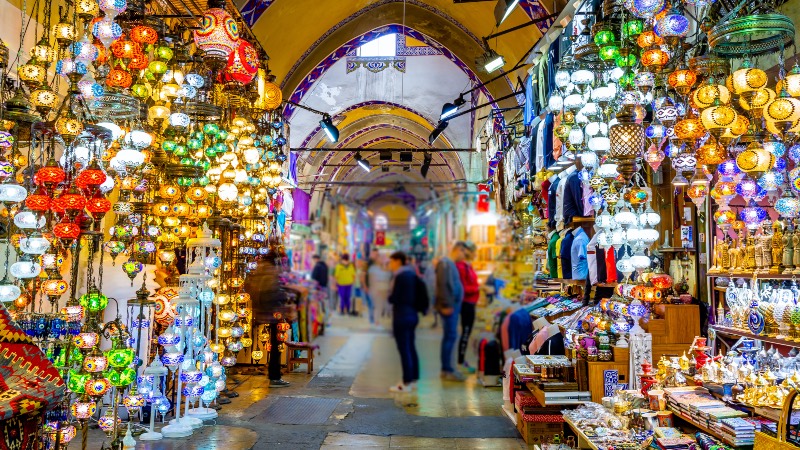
pixel 311 44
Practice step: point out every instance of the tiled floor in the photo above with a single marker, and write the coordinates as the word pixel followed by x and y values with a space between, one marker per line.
pixel 355 366
pixel 340 440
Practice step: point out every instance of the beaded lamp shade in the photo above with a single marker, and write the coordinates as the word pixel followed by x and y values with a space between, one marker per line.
pixel 218 34
pixel 272 96
pixel 757 101
pixel 711 154
pixel 707 94
pixel 684 163
pixel 689 128
pixel 672 25
pixel 655 58
pixel 242 64
pixel 119 77
pixel 144 34
pixel 682 80
pixel 755 159
pixel 717 119
pixel 649 39
pixel 783 109
pixel 31 73
pixel 646 9
pixel 748 80
pixel 737 128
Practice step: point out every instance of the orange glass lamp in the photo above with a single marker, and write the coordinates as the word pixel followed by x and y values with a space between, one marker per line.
pixel 682 80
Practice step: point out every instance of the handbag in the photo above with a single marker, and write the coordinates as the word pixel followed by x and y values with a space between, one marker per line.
pixel 764 441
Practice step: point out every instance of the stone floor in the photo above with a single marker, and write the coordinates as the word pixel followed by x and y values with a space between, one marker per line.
pixel 353 371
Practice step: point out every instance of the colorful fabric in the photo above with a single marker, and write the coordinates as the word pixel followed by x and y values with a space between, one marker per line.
pixel 28 380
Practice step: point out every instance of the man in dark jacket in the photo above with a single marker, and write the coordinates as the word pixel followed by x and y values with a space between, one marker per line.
pixel 320 273
pixel 269 308
pixel 406 288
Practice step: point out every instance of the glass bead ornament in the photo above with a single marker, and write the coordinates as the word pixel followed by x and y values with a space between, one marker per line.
pixel 672 25
pixel 748 79
pixel 752 215
pixel 646 9
pixel 218 34
pixel 755 159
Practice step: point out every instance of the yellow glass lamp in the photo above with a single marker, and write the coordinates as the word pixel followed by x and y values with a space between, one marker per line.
pixel 783 113
pixel 682 80
pixel 717 119
pixel 755 159
pixel 758 101
pixel 707 94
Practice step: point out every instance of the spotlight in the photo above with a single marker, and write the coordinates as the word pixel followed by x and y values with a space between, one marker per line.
pixel 363 163
pixel 327 124
pixel 503 9
pixel 426 164
pixel 450 109
pixel 386 155
pixel 437 131
pixel 490 61
pixel 406 157
pixel 384 169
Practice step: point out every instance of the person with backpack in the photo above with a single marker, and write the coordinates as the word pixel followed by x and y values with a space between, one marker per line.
pixel 409 298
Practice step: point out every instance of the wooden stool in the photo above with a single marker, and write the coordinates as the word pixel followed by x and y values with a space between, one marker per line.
pixel 294 359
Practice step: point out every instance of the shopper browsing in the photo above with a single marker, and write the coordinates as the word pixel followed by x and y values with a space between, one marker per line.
pixel 269 305
pixel 345 277
pixel 449 296
pixel 472 290
pixel 408 298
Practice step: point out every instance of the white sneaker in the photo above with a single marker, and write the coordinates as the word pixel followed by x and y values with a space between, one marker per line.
pixel 402 387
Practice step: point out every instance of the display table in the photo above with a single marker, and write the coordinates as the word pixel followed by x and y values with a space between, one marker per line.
pixel 583 440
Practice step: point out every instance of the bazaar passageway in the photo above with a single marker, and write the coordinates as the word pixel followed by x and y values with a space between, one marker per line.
pixel 345 403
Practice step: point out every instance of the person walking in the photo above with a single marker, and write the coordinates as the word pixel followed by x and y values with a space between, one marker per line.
pixel 380 286
pixel 408 298
pixel 428 270
pixel 449 296
pixel 320 273
pixel 469 279
pixel 269 304
pixel 363 283
pixel 345 277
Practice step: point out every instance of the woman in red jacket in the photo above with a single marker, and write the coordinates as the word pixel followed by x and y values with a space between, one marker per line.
pixel 469 279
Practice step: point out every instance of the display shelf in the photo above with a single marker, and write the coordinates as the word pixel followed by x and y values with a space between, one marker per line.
pixel 750 275
pixel 583 220
pixel 704 428
pixel 567 281
pixel 583 440
pixel 676 249
pixel 550 398
pixel 741 333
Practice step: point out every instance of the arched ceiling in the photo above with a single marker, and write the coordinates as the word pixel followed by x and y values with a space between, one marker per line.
pixel 312 46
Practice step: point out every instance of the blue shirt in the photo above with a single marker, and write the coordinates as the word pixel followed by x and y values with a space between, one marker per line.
pixel 566 255
pixel 573 197
pixel 580 263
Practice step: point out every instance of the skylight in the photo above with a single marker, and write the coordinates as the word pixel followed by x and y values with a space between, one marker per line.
pixel 382 46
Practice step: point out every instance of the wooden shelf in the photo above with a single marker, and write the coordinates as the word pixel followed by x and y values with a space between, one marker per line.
pixel 750 275
pixel 675 249
pixel 566 281
pixel 741 333
pixel 583 220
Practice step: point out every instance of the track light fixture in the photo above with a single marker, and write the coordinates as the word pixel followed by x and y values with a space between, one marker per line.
pixel 503 9
pixel 490 61
pixel 363 163
pixel 330 129
pixel 449 109
pixel 426 164
pixel 437 131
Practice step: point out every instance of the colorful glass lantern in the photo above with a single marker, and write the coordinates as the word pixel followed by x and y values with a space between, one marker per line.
pixel 218 34
pixel 755 159
pixel 646 9
pixel 682 80
pixel 95 363
pixel 243 63
pixel 144 34
pixel 97 387
pixel 654 58
pixel 748 79
pixel 753 215
pixel 83 410
pixel 672 25
pixel 711 153
pixel 93 301
pixel 119 78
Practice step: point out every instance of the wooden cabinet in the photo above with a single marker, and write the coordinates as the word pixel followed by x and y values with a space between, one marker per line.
pixel 597 376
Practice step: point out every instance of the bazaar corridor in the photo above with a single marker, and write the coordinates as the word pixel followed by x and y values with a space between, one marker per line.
pixel 345 403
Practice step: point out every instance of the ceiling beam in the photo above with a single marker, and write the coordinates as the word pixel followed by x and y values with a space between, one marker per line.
pixel 398 164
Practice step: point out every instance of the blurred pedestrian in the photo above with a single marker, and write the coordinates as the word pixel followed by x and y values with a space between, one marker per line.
pixel 345 277
pixel 408 298
pixel 472 290
pixel 449 297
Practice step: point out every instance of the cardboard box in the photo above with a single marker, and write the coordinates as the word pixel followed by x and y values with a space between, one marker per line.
pixel 534 431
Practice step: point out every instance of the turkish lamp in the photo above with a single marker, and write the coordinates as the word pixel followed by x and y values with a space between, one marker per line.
pixel 34 245
pixel 562 79
pixel 555 103
pixel 574 103
pixel 640 261
pixel 717 119
pixel 25 268
pixel 627 141
pixel 783 112
pixel 755 159
pixel 608 170
pixel 8 291
pixel 11 193
pixel 747 80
